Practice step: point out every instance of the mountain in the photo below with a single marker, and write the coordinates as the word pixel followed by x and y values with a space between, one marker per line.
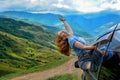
pixel 94 23
pixel 86 25
pixel 46 19
pixel 24 45
pixel 50 21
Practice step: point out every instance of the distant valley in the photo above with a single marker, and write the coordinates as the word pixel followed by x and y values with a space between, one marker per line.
pixel 87 25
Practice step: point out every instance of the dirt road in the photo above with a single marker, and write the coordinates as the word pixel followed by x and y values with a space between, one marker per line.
pixel 67 67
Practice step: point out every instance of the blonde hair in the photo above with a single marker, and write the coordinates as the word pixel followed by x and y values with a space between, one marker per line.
pixel 63 45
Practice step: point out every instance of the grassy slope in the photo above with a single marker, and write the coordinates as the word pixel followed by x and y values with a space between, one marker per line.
pixel 36 68
pixel 23 46
pixel 65 77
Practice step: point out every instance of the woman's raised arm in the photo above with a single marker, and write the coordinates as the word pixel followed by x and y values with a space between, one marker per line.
pixel 68 28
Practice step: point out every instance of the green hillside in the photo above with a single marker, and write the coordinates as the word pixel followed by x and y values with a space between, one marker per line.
pixel 23 46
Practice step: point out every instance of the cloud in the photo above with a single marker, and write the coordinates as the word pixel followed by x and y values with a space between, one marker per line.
pixel 82 6
pixel 111 4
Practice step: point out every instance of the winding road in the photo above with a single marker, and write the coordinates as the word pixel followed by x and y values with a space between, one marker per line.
pixel 67 67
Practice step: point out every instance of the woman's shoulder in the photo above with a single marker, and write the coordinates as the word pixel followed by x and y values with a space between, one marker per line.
pixel 74 35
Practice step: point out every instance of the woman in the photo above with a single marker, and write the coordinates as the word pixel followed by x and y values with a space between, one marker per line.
pixel 66 40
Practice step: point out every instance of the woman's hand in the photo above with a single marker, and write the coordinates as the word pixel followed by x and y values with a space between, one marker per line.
pixel 61 18
pixel 68 28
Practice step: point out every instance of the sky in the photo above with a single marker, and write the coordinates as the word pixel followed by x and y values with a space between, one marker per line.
pixel 60 6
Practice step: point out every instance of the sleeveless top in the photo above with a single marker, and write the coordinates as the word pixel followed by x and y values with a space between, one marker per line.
pixel 72 40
